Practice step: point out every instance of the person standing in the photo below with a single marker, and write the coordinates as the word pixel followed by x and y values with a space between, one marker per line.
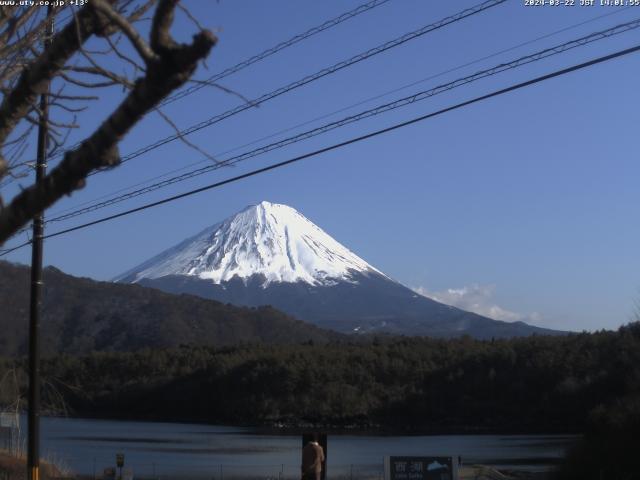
pixel 312 459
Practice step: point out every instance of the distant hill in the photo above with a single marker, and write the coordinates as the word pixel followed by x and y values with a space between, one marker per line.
pixel 81 315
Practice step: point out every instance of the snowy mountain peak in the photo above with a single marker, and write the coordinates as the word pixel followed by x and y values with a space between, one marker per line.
pixel 267 239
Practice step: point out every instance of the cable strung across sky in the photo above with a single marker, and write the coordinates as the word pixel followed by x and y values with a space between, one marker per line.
pixel 365 7
pixel 275 49
pixel 402 102
pixel 343 109
pixel 310 78
pixel 316 76
pixel 336 146
pixel 294 85
pixel 481 7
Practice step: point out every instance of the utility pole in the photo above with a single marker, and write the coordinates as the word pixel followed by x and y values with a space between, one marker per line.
pixel 33 452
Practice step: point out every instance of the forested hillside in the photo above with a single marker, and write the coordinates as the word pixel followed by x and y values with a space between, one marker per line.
pixel 80 315
pixel 545 384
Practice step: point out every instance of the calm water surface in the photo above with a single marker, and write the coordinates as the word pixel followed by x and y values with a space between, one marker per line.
pixel 176 450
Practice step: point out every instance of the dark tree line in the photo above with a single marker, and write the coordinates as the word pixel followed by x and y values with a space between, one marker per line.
pixel 549 384
pixel 584 383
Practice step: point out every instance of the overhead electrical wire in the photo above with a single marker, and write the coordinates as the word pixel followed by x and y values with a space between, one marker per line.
pixel 496 93
pixel 316 76
pixel 327 115
pixel 365 7
pixel 487 4
pixel 275 49
pixel 419 96
pixel 310 78
pixel 7 251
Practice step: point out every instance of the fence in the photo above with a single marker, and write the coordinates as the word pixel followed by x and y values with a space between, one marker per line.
pixel 10 435
pixel 175 471
pixel 168 471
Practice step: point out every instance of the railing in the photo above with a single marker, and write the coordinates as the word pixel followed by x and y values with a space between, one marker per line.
pixel 179 471
pixel 260 472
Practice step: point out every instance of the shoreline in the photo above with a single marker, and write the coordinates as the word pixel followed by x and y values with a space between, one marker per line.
pixel 292 428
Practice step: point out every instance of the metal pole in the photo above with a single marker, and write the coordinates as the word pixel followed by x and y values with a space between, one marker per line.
pixel 33 451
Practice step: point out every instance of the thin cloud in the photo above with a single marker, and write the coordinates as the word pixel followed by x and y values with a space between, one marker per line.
pixel 478 299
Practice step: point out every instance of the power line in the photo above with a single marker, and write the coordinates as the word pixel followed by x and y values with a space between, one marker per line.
pixel 7 251
pixel 275 49
pixel 312 77
pixel 495 93
pixel 316 76
pixel 320 74
pixel 422 95
pixel 308 79
pixel 365 7
pixel 314 153
pixel 361 102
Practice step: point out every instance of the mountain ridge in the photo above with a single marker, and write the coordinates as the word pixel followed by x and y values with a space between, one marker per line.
pixel 270 254
pixel 267 239
pixel 80 315
pixel 371 305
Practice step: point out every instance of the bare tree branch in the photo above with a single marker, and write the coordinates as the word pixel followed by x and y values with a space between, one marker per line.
pixel 127 28
pixel 182 138
pixel 225 90
pixel 34 79
pixel 141 10
pixel 78 98
pixel 162 20
pixel 81 83
pixel 124 57
pixel 173 64
pixel 103 72
pixel 193 19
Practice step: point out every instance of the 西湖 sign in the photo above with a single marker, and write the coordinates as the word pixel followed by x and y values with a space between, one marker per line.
pixel 421 468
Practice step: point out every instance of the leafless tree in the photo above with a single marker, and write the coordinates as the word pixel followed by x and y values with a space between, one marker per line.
pixel 152 69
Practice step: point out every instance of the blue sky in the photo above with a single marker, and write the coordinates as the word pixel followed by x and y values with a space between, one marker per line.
pixel 521 207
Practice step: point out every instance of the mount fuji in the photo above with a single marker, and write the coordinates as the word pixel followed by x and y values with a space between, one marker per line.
pixel 270 254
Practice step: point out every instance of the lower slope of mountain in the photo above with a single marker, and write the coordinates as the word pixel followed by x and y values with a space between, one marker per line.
pixel 270 254
pixel 81 315
pixel 369 304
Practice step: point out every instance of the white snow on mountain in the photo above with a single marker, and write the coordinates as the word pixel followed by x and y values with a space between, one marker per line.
pixel 267 239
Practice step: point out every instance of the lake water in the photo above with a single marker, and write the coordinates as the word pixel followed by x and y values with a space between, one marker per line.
pixel 178 450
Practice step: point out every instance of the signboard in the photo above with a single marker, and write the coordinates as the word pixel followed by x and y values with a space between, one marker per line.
pixel 120 460
pixel 6 437
pixel 421 468
pixel 9 419
pixel 109 473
